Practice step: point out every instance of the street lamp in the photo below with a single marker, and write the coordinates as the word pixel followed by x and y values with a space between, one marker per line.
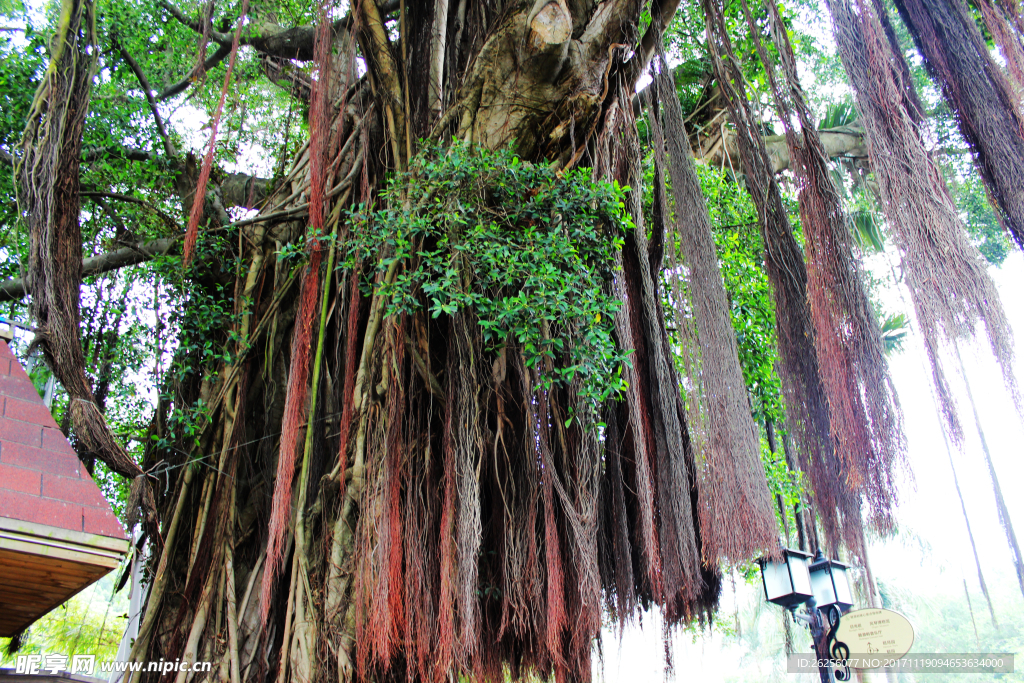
pixel 823 586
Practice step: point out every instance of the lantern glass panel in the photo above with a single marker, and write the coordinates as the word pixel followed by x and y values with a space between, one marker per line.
pixel 821 585
pixel 841 578
pixel 798 563
pixel 776 580
pixel 830 584
pixel 787 583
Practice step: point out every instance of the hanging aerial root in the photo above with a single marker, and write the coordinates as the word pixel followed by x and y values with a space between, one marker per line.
pixel 985 104
pixel 462 450
pixel 468 538
pixel 1006 37
pixel 351 360
pixel 806 406
pixel 207 566
pixel 386 622
pixel 199 198
pixel 298 377
pixel 48 176
pixel 617 568
pixel 680 581
pixel 866 423
pixel 556 608
pixel 319 120
pixel 736 519
pixel 294 412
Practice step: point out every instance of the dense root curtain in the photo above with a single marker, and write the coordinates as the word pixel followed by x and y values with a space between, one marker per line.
pixel 866 422
pixel 415 483
pixel 297 395
pixel 835 495
pixel 946 275
pixel 986 105
pixel 48 182
pixel 949 286
pixel 648 450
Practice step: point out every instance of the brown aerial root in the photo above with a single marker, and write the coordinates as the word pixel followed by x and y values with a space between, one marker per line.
pixel 986 106
pixel 736 518
pixel 865 419
pixel 946 275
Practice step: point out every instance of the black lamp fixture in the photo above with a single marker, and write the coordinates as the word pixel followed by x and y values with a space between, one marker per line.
pixel 787 581
pixel 830 583
pixel 823 586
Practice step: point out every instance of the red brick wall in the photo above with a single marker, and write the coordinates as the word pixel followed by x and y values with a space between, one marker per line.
pixel 41 478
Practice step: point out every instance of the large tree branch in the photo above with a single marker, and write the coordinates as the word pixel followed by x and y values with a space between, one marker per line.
pixel 377 48
pixel 385 70
pixel 244 190
pixel 550 21
pixel 144 82
pixel 14 290
pixel 270 39
pixel 285 75
pixel 294 42
pixel 662 12
pixel 291 43
pixel 90 154
pixel 239 189
pixel 841 142
pixel 219 55
pixel 132 200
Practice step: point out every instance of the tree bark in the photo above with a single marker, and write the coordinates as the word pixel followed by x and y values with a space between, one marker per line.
pixel 373 446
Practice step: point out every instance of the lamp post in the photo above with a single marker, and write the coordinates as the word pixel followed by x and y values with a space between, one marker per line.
pixel 823 587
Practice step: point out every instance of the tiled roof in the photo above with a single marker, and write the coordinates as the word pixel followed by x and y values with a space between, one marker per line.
pixel 41 477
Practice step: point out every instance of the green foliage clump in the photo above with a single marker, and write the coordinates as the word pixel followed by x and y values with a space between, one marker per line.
pixel 528 253
pixel 20 66
pixel 980 219
pixel 204 321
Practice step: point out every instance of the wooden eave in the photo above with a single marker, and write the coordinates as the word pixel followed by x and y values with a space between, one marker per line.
pixel 43 566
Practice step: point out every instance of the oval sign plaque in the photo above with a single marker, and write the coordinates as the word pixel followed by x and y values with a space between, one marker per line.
pixel 876 632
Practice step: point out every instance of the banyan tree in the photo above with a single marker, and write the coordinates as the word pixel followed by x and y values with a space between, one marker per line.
pixel 457 382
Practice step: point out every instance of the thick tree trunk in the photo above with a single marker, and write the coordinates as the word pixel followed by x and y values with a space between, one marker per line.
pixel 376 570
